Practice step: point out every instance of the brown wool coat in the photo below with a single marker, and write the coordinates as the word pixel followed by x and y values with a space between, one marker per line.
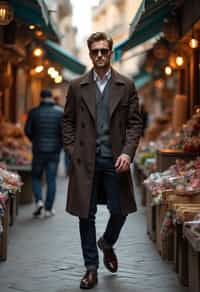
pixel 79 134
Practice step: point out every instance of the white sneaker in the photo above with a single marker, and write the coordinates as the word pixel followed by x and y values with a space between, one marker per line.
pixel 39 209
pixel 49 213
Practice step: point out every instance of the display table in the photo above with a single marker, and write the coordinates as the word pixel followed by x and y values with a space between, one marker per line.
pixel 26 194
pixel 167 157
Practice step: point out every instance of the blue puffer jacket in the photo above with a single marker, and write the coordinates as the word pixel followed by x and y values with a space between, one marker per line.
pixel 44 127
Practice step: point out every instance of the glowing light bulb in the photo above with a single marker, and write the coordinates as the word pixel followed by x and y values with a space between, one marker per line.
pixel 168 70
pixel 39 69
pixel 51 70
pixel 58 79
pixel 38 52
pixel 193 43
pixel 54 74
pixel 39 33
pixel 31 26
pixel 179 61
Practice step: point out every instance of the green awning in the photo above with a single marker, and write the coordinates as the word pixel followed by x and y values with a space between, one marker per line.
pixel 150 25
pixel 35 12
pixel 57 54
pixel 137 16
pixel 142 79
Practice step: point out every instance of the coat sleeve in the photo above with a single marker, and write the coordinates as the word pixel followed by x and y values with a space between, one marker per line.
pixel 134 124
pixel 69 122
pixel 28 129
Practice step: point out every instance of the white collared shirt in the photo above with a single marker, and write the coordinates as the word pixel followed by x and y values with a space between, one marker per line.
pixel 101 82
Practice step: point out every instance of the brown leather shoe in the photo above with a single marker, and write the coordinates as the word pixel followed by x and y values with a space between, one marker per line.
pixel 89 280
pixel 109 258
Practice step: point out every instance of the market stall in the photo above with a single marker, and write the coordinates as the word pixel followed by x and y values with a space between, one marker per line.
pixel 16 153
pixel 173 197
pixel 10 185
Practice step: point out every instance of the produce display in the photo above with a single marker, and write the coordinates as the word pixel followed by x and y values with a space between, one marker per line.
pixel 194 225
pixel 10 183
pixel 188 139
pixel 146 154
pixel 182 178
pixel 146 158
pixel 15 148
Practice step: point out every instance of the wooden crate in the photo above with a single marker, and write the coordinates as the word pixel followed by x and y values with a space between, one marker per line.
pixel 4 235
pixel 194 269
pixel 160 215
pixel 139 179
pixel 26 194
pixel 164 246
pixel 193 260
pixel 150 216
pixel 181 255
pixel 13 209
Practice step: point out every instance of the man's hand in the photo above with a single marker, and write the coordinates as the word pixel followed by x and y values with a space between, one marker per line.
pixel 122 163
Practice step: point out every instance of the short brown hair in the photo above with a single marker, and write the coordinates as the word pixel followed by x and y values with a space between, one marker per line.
pixel 99 36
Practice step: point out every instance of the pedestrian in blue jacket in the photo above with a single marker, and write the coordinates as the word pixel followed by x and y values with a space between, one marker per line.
pixel 44 129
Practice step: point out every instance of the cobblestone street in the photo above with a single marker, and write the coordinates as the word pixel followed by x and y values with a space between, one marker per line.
pixel 45 255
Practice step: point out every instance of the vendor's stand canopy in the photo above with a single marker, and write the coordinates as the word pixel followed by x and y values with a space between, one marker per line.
pixel 35 12
pixel 57 54
pixel 149 25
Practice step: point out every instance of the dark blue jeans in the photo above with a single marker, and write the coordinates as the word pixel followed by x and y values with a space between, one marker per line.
pixel 105 171
pixel 45 163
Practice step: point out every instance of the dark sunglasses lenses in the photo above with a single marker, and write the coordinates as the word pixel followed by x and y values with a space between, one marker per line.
pixel 103 52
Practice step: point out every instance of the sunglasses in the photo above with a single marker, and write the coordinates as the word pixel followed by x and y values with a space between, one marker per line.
pixel 103 51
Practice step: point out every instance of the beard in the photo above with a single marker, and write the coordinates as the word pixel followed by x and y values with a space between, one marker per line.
pixel 101 63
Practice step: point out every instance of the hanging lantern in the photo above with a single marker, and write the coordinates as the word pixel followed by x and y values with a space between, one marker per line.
pixel 6 13
pixel 177 60
pixel 193 43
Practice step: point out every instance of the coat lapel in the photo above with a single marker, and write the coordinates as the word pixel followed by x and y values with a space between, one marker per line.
pixel 88 87
pixel 115 92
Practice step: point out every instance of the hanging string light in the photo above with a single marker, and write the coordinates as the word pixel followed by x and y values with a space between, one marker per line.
pixel 193 42
pixel 179 61
pixel 31 26
pixel 38 52
pixel 168 70
pixel 39 69
pixel 58 79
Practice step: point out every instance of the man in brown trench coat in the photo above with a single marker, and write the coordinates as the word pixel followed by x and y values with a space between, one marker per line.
pixel 101 131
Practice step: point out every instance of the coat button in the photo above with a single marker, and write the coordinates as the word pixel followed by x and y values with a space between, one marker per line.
pixel 78 160
pixel 83 125
pixel 81 143
pixel 82 108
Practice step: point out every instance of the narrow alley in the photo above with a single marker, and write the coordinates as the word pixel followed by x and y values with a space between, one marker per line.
pixel 45 255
